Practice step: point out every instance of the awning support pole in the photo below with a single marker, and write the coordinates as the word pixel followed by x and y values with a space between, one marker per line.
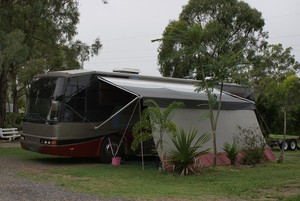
pixel 123 108
pixel 121 140
pixel 142 146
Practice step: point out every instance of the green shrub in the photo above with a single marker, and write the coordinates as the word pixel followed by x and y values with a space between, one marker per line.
pixel 253 145
pixel 13 120
pixel 154 119
pixel 186 149
pixel 252 156
pixel 232 151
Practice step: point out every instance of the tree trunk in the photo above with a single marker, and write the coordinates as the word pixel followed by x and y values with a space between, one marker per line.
pixel 215 147
pixel 216 124
pixel 14 92
pixel 213 126
pixel 3 91
pixel 281 157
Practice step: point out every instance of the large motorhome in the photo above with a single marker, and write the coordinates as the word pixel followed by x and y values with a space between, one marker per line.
pixel 83 113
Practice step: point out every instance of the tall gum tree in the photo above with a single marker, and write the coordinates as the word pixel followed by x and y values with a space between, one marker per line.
pixel 213 39
pixel 286 95
pixel 273 66
pixel 34 32
pixel 86 51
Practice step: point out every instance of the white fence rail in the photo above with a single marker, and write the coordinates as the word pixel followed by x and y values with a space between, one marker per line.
pixel 9 133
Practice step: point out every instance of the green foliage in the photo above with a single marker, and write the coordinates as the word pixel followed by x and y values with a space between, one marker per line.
pixel 85 51
pixel 154 119
pixel 212 38
pixel 280 96
pixel 275 67
pixel 290 90
pixel 216 40
pixel 186 149
pixel 142 130
pixel 232 151
pixel 253 145
pixel 275 63
pixel 13 120
pixel 34 38
pixel 252 156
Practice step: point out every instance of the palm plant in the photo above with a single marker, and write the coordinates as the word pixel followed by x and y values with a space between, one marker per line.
pixel 154 119
pixel 186 149
pixel 232 151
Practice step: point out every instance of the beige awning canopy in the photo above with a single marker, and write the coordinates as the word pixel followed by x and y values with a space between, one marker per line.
pixel 164 93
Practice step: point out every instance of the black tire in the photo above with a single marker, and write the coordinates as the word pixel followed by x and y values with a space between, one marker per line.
pixel 292 144
pixel 106 151
pixel 284 145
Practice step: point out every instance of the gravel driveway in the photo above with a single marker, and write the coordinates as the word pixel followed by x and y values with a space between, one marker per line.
pixel 15 188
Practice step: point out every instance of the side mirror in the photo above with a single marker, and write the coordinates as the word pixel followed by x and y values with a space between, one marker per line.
pixel 54 106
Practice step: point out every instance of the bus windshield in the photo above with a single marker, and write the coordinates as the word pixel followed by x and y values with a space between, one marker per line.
pixel 43 92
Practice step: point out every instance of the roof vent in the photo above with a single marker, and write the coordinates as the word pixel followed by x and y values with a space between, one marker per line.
pixel 127 70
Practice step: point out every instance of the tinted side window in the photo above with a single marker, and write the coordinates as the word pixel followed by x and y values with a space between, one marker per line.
pixel 88 99
pixel 96 109
pixel 75 98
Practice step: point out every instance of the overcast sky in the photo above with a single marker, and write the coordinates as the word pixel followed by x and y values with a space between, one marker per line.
pixel 126 28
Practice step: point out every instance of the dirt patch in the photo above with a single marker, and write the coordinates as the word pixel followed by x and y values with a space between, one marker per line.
pixel 291 190
pixel 276 194
pixel 14 187
pixel 6 143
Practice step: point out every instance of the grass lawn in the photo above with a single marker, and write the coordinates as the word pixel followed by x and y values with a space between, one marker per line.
pixel 267 181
